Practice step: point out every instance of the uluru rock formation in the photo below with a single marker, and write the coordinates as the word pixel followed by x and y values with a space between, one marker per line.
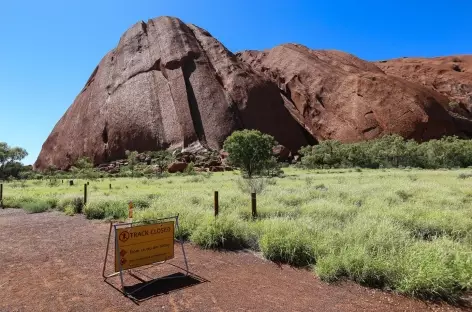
pixel 336 95
pixel 171 85
pixel 450 75
pixel 166 85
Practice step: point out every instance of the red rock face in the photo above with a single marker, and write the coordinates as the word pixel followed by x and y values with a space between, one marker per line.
pixel 335 95
pixel 169 85
pixel 451 76
pixel 166 85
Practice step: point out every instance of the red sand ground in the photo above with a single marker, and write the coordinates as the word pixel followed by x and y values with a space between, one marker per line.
pixel 52 262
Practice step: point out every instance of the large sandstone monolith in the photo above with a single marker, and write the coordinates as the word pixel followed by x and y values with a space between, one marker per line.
pixel 335 95
pixel 166 85
pixel 169 85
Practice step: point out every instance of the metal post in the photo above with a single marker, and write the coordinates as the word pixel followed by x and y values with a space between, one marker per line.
pixel 1 195
pixel 85 194
pixel 217 205
pixel 106 255
pixel 182 244
pixel 254 204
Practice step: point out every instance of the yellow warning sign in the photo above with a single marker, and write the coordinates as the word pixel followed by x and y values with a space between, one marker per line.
pixel 144 244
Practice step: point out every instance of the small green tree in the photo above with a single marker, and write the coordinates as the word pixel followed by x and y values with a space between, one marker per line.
pixel 250 150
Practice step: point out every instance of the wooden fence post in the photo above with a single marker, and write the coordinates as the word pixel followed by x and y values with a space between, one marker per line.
pixel 1 195
pixel 254 204
pixel 85 194
pixel 217 205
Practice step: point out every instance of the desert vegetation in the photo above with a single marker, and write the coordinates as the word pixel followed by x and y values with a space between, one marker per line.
pixel 408 230
pixel 390 151
pixel 393 227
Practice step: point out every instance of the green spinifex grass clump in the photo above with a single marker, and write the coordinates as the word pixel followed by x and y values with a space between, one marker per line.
pixel 404 230
pixel 36 206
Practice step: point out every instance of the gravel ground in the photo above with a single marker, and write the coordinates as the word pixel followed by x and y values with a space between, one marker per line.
pixel 52 262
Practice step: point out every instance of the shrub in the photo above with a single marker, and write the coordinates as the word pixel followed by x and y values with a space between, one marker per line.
pixel 36 206
pixel 110 209
pixel 389 151
pixel 368 251
pixel 52 202
pixel 162 159
pixel 17 201
pixel 94 212
pixel 132 159
pixel 190 170
pixel 69 210
pixel 284 241
pixel 83 163
pixel 228 232
pixel 432 270
pixel 77 203
pixel 141 203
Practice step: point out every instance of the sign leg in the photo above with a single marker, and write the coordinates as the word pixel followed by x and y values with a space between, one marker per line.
pixel 182 244
pixel 106 255
pixel 117 249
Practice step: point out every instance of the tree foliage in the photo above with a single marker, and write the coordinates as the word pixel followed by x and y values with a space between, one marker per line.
pixel 250 150
pixel 10 158
pixel 389 151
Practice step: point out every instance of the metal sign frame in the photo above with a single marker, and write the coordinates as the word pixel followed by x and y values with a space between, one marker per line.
pixel 114 228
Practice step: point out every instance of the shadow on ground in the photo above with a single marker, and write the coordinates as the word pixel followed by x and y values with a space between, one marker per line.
pixel 146 290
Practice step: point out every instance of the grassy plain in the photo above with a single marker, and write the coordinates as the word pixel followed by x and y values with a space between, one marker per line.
pixel 405 230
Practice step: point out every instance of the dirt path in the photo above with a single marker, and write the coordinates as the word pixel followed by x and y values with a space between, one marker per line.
pixel 51 262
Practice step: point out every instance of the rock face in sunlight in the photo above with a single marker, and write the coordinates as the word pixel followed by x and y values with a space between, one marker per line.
pixel 449 75
pixel 167 85
pixel 335 95
pixel 170 85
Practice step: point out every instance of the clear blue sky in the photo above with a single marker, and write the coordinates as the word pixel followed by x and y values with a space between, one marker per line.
pixel 49 48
